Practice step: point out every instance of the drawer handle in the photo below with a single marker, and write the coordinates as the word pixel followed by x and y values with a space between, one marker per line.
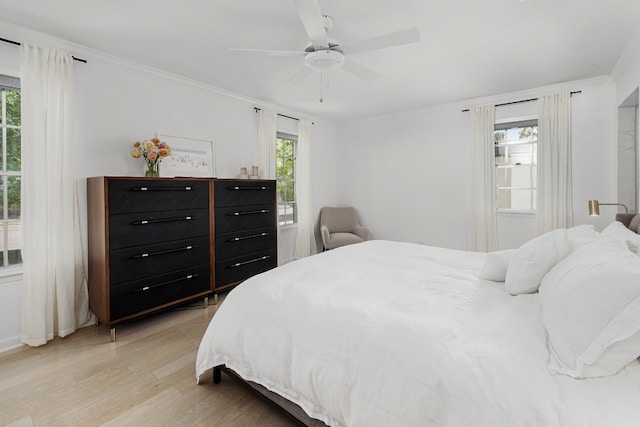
pixel 261 211
pixel 253 236
pixel 186 188
pixel 240 264
pixel 254 188
pixel 168 251
pixel 157 221
pixel 169 282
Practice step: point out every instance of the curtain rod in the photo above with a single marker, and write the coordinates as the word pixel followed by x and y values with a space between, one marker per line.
pixel 281 115
pixel 20 44
pixel 523 100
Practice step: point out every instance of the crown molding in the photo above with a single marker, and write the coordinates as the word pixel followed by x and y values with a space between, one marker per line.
pixel 27 35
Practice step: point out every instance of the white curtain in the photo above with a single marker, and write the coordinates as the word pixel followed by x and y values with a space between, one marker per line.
pixel 55 298
pixel 305 236
pixel 554 201
pixel 484 235
pixel 267 131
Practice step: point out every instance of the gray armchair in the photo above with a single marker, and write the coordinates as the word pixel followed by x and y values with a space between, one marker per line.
pixel 340 227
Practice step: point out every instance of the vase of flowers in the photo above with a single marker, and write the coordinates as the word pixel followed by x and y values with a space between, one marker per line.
pixel 153 151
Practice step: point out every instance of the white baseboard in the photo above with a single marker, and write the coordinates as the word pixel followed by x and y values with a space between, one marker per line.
pixel 10 343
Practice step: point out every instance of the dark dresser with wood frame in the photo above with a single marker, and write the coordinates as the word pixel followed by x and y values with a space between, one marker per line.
pixel 158 242
pixel 246 229
pixel 149 244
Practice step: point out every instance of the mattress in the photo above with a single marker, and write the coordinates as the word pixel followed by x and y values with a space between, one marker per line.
pixel 397 334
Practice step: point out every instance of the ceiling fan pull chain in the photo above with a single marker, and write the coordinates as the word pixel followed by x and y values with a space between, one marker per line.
pixel 321 99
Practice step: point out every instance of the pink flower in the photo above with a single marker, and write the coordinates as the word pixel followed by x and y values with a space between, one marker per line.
pixel 153 150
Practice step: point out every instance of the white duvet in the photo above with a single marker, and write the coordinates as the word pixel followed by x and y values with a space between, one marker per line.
pixel 396 334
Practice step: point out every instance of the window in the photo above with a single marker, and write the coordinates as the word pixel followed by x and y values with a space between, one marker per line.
pixel 285 173
pixel 516 157
pixel 10 240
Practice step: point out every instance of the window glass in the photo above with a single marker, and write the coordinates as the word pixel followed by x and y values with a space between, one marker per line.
pixel 516 158
pixel 285 171
pixel 10 175
pixel 13 197
pixel 13 150
pixel 13 107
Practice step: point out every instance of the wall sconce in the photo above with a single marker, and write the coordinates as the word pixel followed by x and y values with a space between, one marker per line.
pixel 594 207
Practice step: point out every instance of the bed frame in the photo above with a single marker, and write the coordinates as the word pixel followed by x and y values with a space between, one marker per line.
pixel 290 408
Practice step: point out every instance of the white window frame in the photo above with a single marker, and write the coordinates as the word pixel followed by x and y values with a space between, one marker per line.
pixel 504 125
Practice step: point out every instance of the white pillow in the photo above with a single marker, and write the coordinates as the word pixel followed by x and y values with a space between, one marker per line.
pixel 591 310
pixel 495 265
pixel 532 260
pixel 581 235
pixel 616 230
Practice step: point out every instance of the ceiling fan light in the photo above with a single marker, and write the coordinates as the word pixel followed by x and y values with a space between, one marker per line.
pixel 324 60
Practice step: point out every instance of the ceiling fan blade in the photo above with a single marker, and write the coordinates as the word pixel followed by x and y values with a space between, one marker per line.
pixel 396 38
pixel 360 70
pixel 268 52
pixel 300 75
pixel 311 17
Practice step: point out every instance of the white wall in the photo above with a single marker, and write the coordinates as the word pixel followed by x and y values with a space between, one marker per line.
pixel 408 175
pixel 626 72
pixel 10 312
pixel 626 75
pixel 118 102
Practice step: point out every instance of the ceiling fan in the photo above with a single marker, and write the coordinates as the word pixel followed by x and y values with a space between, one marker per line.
pixel 323 55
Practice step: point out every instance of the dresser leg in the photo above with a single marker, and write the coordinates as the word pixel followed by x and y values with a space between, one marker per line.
pixel 97 321
pixel 215 299
pixel 112 334
pixel 206 302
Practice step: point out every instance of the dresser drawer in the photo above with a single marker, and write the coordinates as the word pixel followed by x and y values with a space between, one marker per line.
pixel 239 218
pixel 238 243
pixel 242 267
pixel 151 227
pixel 243 192
pixel 137 262
pixel 134 297
pixel 144 195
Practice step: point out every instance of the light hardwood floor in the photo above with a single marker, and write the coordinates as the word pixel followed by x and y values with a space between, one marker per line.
pixel 146 377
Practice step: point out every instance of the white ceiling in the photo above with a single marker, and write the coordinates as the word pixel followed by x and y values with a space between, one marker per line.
pixel 468 48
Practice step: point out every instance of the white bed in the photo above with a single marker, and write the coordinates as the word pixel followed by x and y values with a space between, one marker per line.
pixel 397 334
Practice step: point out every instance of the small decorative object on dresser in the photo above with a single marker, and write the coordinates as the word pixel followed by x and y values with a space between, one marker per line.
pixel 153 151
pixel 149 245
pixel 243 172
